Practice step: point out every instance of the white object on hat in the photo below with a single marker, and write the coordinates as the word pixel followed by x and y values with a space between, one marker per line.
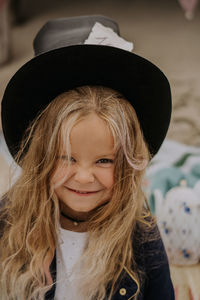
pixel 101 35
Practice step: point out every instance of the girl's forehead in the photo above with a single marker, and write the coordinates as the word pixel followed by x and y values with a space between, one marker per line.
pixel 91 131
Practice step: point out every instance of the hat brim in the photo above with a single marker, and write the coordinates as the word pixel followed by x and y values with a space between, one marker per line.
pixel 45 76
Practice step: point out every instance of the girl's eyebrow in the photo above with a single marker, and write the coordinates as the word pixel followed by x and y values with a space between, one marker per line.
pixel 108 154
pixel 98 156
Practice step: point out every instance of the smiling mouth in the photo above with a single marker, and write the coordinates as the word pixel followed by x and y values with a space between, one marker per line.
pixel 82 192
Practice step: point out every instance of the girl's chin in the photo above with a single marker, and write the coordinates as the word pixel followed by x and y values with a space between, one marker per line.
pixel 81 213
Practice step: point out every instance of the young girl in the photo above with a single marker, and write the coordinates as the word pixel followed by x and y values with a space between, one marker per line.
pixel 76 225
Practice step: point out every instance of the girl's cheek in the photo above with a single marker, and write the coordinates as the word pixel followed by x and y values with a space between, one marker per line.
pixel 56 177
pixel 60 174
pixel 106 176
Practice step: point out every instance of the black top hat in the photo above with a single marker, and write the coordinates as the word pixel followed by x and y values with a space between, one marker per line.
pixel 63 62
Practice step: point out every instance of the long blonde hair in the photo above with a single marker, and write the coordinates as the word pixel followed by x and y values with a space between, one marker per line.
pixel 32 211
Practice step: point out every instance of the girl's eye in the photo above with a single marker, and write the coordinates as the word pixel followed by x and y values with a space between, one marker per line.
pixel 105 161
pixel 72 159
pixel 66 158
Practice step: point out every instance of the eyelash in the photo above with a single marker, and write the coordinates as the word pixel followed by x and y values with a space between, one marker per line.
pixel 65 158
pixel 102 160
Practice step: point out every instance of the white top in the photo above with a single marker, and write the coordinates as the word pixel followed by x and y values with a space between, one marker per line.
pixel 69 249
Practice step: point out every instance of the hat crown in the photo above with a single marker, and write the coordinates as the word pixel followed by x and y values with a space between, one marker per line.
pixel 65 32
pixel 71 52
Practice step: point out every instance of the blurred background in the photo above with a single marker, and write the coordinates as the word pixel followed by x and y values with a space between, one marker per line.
pixel 167 32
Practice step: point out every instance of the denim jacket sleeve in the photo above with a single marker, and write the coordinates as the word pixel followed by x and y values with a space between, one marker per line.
pixel 155 278
pixel 158 284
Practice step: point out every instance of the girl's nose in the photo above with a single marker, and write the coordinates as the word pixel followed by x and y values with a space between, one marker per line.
pixel 84 175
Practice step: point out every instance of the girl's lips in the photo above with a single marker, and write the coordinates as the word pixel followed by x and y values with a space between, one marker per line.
pixel 82 193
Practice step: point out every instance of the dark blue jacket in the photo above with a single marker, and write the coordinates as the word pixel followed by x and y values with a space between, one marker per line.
pixel 155 279
pixel 152 260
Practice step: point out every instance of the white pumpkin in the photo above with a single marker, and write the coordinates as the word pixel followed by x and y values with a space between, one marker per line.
pixel 178 216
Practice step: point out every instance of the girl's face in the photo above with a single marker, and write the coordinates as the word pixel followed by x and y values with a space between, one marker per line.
pixel 87 183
